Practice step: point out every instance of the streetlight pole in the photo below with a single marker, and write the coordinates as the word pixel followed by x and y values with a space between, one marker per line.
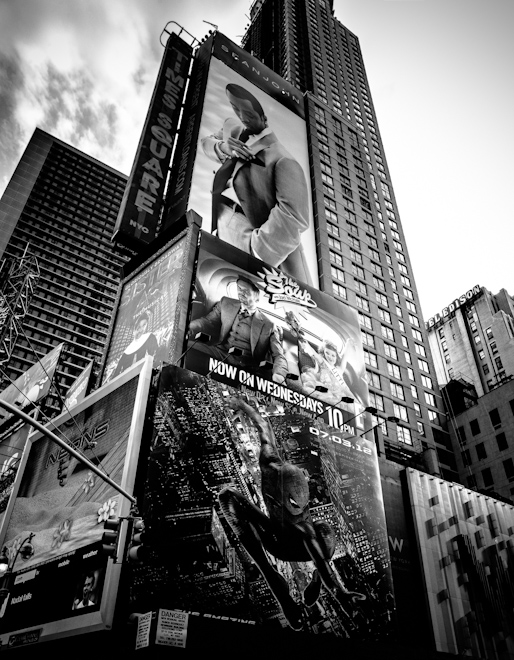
pixel 71 450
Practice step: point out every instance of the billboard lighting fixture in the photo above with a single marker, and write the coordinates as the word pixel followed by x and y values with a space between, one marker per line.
pixel 26 550
pixel 343 399
pixel 391 418
pixel 319 388
pixel 292 376
pixel 201 337
pixel 236 352
pixel 367 409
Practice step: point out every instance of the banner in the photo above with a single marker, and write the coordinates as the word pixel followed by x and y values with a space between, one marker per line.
pixel 78 389
pixel 28 389
pixel 250 181
pixel 141 204
pixel 300 344
pixel 147 311
pixel 259 514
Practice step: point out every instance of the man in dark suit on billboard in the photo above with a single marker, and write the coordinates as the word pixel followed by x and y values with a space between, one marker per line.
pixel 239 324
pixel 259 194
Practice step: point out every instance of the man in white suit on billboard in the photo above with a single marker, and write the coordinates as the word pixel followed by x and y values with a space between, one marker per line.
pixel 259 196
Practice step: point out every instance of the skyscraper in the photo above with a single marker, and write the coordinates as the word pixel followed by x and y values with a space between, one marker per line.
pixel 63 204
pixel 362 253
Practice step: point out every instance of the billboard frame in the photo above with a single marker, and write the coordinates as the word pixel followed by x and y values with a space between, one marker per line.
pixel 101 619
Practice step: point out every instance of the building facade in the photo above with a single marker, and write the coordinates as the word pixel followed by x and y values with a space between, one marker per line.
pixel 362 253
pixel 63 204
pixel 475 341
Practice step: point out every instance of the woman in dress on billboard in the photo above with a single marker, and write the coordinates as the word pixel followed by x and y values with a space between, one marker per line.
pixel 143 343
pixel 324 367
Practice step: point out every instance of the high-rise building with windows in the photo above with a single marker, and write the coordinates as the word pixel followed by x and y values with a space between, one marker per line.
pixel 63 204
pixel 362 253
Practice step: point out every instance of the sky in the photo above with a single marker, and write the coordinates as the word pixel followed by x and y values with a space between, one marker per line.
pixel 440 73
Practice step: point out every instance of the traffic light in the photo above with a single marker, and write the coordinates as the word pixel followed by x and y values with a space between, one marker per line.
pixel 137 551
pixel 110 537
pixel 62 470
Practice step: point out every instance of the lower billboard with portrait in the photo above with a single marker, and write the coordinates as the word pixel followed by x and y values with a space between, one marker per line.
pixel 258 513
pixel 59 582
pixel 287 339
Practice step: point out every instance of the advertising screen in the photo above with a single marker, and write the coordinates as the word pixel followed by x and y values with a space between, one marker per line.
pixel 250 181
pixel 147 312
pixel 66 585
pixel 296 343
pixel 261 514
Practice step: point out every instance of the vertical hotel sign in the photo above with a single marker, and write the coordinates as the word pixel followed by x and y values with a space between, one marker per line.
pixel 139 212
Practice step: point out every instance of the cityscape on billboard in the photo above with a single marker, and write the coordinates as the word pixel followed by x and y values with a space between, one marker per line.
pixel 250 180
pixel 147 311
pixel 272 517
pixel 296 343
pixel 60 506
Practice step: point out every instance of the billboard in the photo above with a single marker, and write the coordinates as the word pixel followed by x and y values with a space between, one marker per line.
pixel 466 553
pixel 309 342
pixel 141 204
pixel 79 387
pixel 257 514
pixel 67 586
pixel 149 311
pixel 250 178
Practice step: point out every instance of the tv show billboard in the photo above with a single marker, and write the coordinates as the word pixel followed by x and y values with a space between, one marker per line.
pixel 142 201
pixel 250 180
pixel 295 342
pixel 67 585
pixel 258 513
pixel 149 310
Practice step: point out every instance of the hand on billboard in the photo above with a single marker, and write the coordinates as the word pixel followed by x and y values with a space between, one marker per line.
pixel 234 148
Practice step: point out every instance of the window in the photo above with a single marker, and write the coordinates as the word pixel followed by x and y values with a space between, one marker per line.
pixel 368 339
pixel 380 284
pixel 336 258
pixel 472 481
pixel 377 401
pixel 423 365
pixel 416 334
pixel 421 428
pixel 410 373
pixel 404 435
pixel 508 466
pixel 474 426
pixel 384 316
pixel 498 363
pixel 417 410
pixel 420 350
pixel 487 477
pixel 400 411
pixel 481 452
pixel 333 229
pixel 495 418
pixel 358 271
pixel 414 320
pixel 370 359
pixel 414 391
pixel 381 298
pixel 362 303
pixel 397 391
pixel 337 274
pixel 430 399
pixel 339 290
pixel 361 287
pixel 334 243
pixel 365 321
pixel 489 333
pixel 387 333
pixel 390 351
pixel 501 440
pixel 393 370
pixel 493 347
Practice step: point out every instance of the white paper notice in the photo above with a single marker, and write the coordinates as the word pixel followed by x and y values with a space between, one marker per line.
pixel 172 628
pixel 143 630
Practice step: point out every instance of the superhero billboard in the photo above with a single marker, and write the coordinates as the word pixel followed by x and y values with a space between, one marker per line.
pixel 149 309
pixel 66 585
pixel 257 513
pixel 291 341
pixel 243 162
pixel 141 204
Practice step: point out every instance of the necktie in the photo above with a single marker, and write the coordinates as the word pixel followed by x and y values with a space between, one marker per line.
pixel 222 177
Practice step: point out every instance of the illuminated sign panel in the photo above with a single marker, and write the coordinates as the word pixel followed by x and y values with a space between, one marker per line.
pixel 309 342
pixel 271 517
pixel 247 138
pixel 68 586
pixel 141 204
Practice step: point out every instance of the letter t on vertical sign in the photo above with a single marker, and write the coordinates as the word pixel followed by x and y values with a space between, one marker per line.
pixel 138 217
